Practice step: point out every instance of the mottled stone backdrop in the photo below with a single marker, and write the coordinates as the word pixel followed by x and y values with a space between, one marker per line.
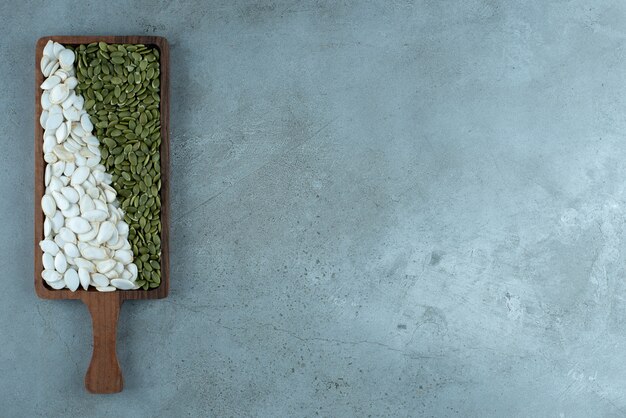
pixel 382 208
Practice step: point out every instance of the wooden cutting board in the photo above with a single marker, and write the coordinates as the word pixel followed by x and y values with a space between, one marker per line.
pixel 104 374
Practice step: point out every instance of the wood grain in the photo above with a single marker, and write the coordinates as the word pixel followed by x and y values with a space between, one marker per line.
pixel 104 374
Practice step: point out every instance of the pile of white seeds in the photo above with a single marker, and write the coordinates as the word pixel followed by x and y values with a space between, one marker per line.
pixel 85 236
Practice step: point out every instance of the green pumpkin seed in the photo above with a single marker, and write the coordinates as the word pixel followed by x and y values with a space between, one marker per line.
pixel 119 159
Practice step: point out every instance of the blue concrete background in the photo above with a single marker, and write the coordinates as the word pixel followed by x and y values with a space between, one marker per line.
pixel 383 208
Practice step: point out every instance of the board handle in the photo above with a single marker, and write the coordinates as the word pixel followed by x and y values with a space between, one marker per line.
pixel 104 374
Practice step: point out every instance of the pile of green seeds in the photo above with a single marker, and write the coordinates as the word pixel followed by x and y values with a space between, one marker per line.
pixel 120 85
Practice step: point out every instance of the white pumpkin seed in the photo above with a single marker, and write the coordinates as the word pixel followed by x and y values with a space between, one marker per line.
pixel 101 205
pixel 62 74
pixel 70 194
pixel 79 102
pixel 106 289
pixel 119 244
pixel 71 113
pixel 50 157
pixel 57 48
pixel 45 100
pixel 132 267
pixel 50 82
pixel 60 263
pixel 48 261
pixel 58 168
pixel 114 238
pixel 60 200
pixel 78 225
pixel 105 265
pixel 49 143
pixel 48 50
pixel 105 233
pixel 51 276
pixel 52 66
pixel 71 83
pixel 55 184
pixel 71 250
pixel 60 284
pixel 79 175
pixel 92 140
pixel 57 221
pixel 54 121
pixel 67 235
pixel 55 109
pixel 93 253
pixel 93 161
pixel 70 99
pixel 66 58
pixel 122 284
pixel 84 264
pixel 62 153
pixel 85 122
pixel 45 60
pixel 59 241
pixel 47 227
pixel 47 175
pixel 99 280
pixel 110 195
pixel 112 274
pixel 80 160
pixel 86 203
pixel 71 146
pixel 69 168
pixel 95 215
pixel 71 279
pixel 61 133
pixel 92 234
pixel 59 93
pixel 43 118
pixel 83 276
pixel 72 211
pixel 123 256
pixel 48 205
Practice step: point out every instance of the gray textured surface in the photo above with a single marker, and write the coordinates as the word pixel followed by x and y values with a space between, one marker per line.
pixel 386 208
